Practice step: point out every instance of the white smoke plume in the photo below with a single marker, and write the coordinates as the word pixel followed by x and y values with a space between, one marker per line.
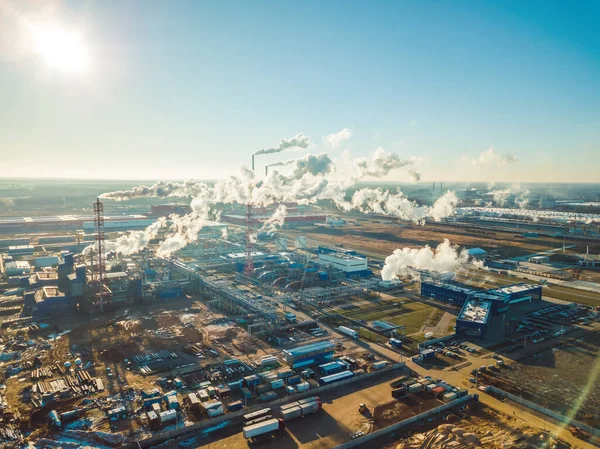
pixel 317 165
pixel 381 163
pixel 312 179
pixel 282 163
pixel 491 158
pixel 184 229
pixel 384 202
pixel 522 199
pixel 444 206
pixel 335 140
pixel 298 141
pixel 500 197
pixel 276 221
pixel 132 242
pixel 161 189
pixel 405 262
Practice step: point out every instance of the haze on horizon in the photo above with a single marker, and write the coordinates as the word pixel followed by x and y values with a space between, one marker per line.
pixel 475 91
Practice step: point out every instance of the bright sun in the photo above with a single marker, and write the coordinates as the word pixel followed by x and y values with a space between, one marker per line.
pixel 61 50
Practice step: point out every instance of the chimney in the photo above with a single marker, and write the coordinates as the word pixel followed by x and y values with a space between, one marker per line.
pixel 252 162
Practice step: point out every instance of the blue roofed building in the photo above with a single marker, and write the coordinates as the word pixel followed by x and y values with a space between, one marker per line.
pixel 473 318
pixel 315 353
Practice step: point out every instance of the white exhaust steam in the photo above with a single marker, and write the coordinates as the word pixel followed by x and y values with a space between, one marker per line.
pixel 276 221
pixel 313 178
pixel 491 158
pixel 381 163
pixel 298 141
pixel 132 242
pixel 384 202
pixel 405 262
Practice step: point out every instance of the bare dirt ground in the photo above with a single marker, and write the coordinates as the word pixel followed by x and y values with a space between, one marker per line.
pixel 384 238
pixel 565 378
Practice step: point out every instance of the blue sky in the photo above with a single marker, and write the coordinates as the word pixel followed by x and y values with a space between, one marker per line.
pixel 190 89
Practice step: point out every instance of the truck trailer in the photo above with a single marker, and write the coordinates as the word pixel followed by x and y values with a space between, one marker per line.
pixel 300 409
pixel 263 428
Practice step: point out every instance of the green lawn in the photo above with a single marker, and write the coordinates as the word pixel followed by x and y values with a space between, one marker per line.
pixel 411 314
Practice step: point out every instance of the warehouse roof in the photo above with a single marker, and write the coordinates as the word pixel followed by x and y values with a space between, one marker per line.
pixel 341 256
pixel 476 252
pixel 300 350
pixel 515 288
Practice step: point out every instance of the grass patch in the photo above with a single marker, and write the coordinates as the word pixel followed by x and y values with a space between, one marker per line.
pixel 572 295
pixel 411 314
pixel 413 321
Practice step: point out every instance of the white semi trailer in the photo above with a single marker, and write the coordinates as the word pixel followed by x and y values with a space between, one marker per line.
pixel 263 428
pixel 300 409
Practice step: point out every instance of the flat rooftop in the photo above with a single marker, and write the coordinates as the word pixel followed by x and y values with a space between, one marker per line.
pixel 342 256
pixel 515 288
pixel 475 311
pixel 46 275
pixel 453 287
pixel 51 291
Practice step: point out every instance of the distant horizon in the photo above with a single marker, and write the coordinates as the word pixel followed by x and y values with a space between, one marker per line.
pixel 379 181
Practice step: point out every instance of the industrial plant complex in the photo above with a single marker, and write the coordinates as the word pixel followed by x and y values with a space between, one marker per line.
pixel 105 338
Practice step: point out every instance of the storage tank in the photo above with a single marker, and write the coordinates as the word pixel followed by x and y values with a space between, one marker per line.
pixel 347 331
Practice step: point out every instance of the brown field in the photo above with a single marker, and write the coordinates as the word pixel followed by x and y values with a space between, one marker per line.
pixel 384 238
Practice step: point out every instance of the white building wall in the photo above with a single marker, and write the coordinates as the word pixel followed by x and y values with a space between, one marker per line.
pixel 347 264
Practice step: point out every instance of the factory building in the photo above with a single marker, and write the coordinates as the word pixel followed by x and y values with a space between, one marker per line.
pixel 17 268
pixel 502 264
pixel 50 301
pixel 5 243
pixel 139 222
pixel 21 250
pixel 451 293
pixel 473 318
pixel 516 293
pixel 352 265
pixel 315 353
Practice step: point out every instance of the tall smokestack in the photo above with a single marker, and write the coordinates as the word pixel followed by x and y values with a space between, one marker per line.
pixel 441 187
pixel 252 162
pixel 434 186
pixel 266 170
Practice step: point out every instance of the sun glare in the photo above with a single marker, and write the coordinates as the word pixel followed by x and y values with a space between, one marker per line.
pixel 61 50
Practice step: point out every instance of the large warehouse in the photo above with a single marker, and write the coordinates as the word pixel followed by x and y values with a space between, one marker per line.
pixel 353 266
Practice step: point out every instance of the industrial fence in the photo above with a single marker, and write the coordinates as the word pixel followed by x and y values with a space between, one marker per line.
pixel 413 419
pixel 218 422
pixel 557 416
